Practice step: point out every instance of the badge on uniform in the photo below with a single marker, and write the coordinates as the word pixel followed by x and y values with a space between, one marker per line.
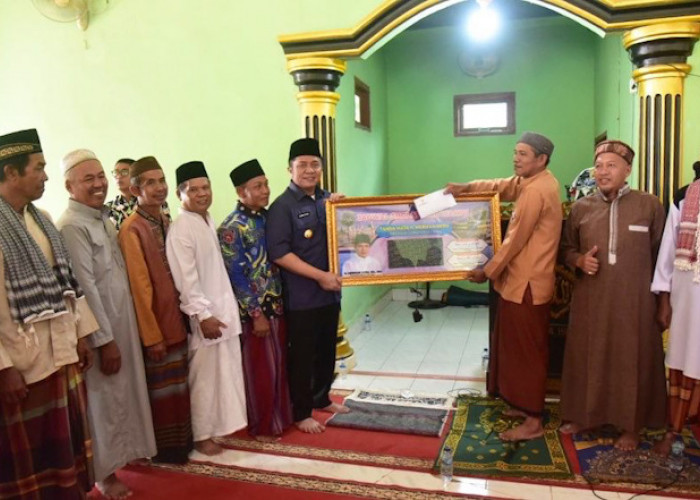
pixel 308 234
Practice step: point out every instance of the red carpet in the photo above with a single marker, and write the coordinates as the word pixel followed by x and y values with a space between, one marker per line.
pixel 228 482
pixel 158 484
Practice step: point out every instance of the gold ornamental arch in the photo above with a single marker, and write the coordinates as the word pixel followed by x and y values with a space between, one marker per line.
pixel 659 36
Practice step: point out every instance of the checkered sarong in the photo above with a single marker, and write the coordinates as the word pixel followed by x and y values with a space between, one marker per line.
pixel 45 446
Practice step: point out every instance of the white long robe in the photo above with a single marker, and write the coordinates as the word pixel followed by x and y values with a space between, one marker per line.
pixel 217 390
pixel 684 340
pixel 118 407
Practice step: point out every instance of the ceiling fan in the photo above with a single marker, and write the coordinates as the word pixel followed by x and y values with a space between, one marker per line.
pixel 65 11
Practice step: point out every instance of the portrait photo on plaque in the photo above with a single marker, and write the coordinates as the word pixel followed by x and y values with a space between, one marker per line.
pixel 381 240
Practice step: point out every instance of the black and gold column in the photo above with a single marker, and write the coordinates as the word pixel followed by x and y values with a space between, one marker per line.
pixel 660 52
pixel 317 79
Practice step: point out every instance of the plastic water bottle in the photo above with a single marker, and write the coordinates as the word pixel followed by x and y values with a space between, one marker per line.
pixel 446 465
pixel 367 324
pixel 485 360
pixel 675 460
pixel 342 369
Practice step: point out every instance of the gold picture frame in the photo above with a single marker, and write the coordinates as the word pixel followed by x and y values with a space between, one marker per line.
pixel 377 240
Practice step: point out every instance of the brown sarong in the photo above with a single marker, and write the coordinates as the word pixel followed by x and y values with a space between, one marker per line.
pixel 520 354
pixel 683 399
pixel 45 446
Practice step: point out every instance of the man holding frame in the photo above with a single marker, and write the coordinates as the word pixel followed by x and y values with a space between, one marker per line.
pixel 522 271
pixel 297 243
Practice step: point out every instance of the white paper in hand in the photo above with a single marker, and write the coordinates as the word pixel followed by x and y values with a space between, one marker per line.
pixel 433 203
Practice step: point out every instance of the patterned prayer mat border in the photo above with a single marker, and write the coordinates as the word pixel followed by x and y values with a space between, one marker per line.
pixel 577 481
pixel 344 456
pixel 559 468
pixel 403 398
pixel 314 483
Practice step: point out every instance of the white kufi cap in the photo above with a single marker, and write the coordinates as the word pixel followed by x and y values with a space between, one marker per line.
pixel 75 157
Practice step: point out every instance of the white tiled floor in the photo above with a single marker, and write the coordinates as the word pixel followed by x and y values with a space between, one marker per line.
pixel 441 353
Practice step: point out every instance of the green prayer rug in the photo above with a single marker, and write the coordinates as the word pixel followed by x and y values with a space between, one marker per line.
pixel 478 450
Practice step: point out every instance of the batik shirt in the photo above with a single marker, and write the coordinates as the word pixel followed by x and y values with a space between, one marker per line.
pixel 120 208
pixel 255 279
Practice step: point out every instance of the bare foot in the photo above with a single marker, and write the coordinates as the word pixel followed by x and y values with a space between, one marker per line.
pixel 113 489
pixel 663 447
pixel 531 428
pixel 267 439
pixel 140 461
pixel 513 413
pixel 628 441
pixel 208 447
pixel 336 408
pixel 570 428
pixel 310 425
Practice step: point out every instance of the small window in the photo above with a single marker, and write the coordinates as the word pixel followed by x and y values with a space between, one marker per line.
pixel 484 114
pixel 362 111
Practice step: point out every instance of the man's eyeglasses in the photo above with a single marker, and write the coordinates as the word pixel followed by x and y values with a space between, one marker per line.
pixel 309 166
pixel 120 172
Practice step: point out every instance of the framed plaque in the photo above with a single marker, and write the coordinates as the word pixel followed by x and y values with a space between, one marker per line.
pixel 379 240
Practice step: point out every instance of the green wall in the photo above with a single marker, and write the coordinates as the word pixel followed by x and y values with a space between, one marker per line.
pixel 549 64
pixel 175 79
pixel 691 118
pixel 362 158
pixel 614 104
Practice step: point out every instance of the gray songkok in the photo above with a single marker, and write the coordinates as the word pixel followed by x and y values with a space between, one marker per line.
pixel 76 157
pixel 539 143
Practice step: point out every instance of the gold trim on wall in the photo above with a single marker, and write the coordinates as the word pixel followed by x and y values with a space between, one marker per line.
pixel 316 36
pixel 305 63
pixel 661 79
pixel 318 102
pixel 661 31
pixel 616 4
pixel 339 33
pixel 429 6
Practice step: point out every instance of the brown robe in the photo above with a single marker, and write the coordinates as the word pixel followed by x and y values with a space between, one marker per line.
pixel 613 361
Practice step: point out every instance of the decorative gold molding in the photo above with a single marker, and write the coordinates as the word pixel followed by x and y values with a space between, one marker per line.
pixel 351 33
pixel 318 103
pixel 672 75
pixel 339 33
pixel 422 9
pixel 305 63
pixel 617 4
pixel 661 31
